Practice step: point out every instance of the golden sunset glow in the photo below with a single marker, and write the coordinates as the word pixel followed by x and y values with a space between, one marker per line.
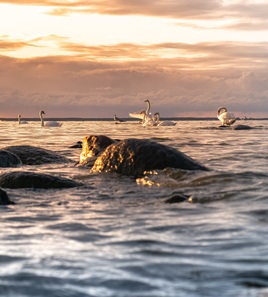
pixel 112 55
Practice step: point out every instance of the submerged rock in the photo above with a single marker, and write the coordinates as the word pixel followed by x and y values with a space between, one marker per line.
pixel 8 159
pixel 78 144
pixel 25 179
pixel 235 127
pixel 92 147
pixel 134 156
pixel 31 155
pixel 177 198
pixel 242 127
pixel 4 199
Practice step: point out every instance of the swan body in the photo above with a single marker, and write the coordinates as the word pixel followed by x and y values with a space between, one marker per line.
pixel 147 120
pixel 21 121
pixel 48 124
pixel 162 123
pixel 117 120
pixel 226 118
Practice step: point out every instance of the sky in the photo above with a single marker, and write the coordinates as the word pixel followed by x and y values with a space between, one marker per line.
pixel 104 57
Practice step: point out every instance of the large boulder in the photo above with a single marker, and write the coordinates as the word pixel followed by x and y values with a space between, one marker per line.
pixel 31 155
pixel 134 156
pixel 92 147
pixel 8 159
pixel 4 199
pixel 25 179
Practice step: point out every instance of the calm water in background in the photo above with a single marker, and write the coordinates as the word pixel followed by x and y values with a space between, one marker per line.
pixel 115 236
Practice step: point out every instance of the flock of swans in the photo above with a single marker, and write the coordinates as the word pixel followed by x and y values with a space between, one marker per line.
pixel 43 123
pixel 147 119
pixel 225 117
pixel 150 120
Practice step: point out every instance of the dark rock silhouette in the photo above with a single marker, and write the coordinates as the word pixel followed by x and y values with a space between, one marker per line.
pixel 25 179
pixel 134 156
pixel 4 199
pixel 78 144
pixel 242 127
pixel 92 147
pixel 177 198
pixel 8 159
pixel 31 155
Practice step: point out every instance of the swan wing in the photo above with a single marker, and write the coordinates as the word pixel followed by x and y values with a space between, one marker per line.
pixel 136 115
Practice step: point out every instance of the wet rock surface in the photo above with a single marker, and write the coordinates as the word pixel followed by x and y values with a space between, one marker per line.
pixel 134 156
pixel 31 155
pixel 21 179
pixel 92 147
pixel 4 199
pixel 8 159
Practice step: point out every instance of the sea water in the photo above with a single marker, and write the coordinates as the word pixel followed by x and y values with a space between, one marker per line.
pixel 116 236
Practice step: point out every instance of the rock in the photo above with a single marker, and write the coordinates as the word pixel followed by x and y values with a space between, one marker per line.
pixel 4 199
pixel 92 146
pixel 242 127
pixel 25 179
pixel 8 159
pixel 31 155
pixel 134 156
pixel 78 144
pixel 177 198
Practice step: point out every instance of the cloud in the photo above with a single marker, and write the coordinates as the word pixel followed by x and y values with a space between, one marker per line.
pixel 184 9
pixel 231 74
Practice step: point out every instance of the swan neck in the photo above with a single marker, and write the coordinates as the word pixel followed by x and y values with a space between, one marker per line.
pixel 42 120
pixel 148 107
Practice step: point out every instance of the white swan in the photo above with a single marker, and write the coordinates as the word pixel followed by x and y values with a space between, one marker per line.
pixel 140 114
pixel 21 121
pixel 48 124
pixel 226 118
pixel 147 120
pixel 162 123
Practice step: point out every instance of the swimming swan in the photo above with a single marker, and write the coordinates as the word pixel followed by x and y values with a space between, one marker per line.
pixel 21 121
pixel 117 119
pixel 226 118
pixel 140 114
pixel 162 123
pixel 147 120
pixel 48 124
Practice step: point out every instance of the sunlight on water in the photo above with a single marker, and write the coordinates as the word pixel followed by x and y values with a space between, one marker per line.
pixel 116 236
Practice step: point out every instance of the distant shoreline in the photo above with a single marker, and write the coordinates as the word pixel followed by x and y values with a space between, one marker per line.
pixel 70 119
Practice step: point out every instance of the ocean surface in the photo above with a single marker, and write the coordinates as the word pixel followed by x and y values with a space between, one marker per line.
pixel 116 237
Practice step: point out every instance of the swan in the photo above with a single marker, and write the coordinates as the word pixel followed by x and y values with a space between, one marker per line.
pixel 48 124
pixel 21 121
pixel 118 120
pixel 147 120
pixel 139 114
pixel 162 123
pixel 226 118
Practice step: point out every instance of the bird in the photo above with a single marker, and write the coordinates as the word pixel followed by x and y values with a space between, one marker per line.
pixel 21 121
pixel 162 123
pixel 48 124
pixel 118 120
pixel 226 118
pixel 140 114
pixel 147 120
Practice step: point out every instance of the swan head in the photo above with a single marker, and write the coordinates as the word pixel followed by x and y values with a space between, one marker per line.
pixel 147 101
pixel 221 110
